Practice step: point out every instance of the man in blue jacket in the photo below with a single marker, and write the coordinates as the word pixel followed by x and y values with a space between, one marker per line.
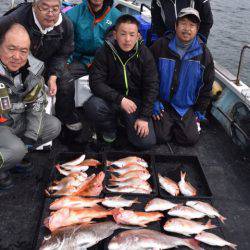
pixel 91 20
pixel 186 72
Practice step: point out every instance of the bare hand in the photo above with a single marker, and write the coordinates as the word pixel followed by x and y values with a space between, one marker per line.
pixel 128 105
pixel 141 128
pixel 52 85
pixel 158 117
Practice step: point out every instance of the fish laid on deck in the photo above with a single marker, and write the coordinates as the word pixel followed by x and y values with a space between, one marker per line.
pixel 158 204
pixel 185 187
pixel 186 227
pixel 74 202
pixel 66 216
pixel 169 185
pixel 149 239
pixel 213 240
pixel 128 160
pixel 130 217
pixel 118 202
pixel 205 208
pixel 186 212
pixel 80 236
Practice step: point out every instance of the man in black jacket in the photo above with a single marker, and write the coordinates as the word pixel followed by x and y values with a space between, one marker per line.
pixel 52 42
pixel 164 14
pixel 124 82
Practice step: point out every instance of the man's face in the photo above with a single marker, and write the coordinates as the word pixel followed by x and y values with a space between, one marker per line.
pixel 126 36
pixel 96 3
pixel 47 12
pixel 186 30
pixel 14 50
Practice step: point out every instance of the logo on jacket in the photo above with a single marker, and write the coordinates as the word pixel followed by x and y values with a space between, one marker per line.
pixel 109 22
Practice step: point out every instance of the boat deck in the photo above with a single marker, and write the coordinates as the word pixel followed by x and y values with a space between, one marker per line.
pixel 227 169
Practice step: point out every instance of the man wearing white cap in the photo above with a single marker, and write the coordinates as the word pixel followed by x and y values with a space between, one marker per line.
pixel 186 72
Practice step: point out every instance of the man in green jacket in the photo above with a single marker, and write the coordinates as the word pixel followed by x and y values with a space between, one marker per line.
pixel 91 20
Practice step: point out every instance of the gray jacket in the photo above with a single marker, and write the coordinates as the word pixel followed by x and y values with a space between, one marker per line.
pixel 27 100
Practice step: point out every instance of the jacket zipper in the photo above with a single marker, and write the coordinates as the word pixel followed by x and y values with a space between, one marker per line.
pixel 124 66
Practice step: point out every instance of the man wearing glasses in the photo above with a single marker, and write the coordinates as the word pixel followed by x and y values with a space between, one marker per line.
pixel 52 42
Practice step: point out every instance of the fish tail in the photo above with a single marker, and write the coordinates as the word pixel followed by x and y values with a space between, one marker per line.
pixel 233 246
pixel 183 175
pixel 46 222
pixel 192 243
pixel 108 163
pixel 209 225
pixel 222 219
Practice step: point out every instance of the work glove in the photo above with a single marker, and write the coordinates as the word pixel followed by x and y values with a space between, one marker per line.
pixel 158 108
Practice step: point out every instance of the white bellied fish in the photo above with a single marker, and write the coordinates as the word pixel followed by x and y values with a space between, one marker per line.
pixel 205 208
pixel 186 227
pixel 80 236
pixel 185 187
pixel 213 240
pixel 158 204
pixel 130 217
pixel 149 239
pixel 128 160
pixel 118 201
pixel 186 212
pixel 169 185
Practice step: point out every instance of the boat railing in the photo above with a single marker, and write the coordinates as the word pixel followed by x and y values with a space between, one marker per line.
pixel 247 46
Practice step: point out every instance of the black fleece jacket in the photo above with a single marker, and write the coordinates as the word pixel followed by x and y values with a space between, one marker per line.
pixel 115 75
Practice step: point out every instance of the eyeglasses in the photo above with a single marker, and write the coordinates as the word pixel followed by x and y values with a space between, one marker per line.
pixel 47 9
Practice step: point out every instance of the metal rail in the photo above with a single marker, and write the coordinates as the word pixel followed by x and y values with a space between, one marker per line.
pixel 247 46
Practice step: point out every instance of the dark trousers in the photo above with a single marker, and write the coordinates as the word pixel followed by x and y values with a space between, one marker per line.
pixel 104 115
pixel 65 97
pixel 183 129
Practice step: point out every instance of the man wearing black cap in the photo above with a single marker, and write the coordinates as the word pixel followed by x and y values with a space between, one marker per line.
pixel 186 72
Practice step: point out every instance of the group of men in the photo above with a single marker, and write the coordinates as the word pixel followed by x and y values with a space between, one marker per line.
pixel 156 93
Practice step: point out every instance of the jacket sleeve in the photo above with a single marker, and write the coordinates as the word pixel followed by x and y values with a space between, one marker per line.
pixel 59 59
pixel 206 15
pixel 204 97
pixel 158 25
pixel 150 84
pixel 98 78
pixel 35 114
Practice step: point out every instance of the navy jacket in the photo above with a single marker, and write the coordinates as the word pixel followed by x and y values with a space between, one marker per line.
pixel 185 82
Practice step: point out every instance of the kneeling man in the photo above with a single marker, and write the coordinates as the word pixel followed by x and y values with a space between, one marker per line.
pixel 125 84
pixel 23 121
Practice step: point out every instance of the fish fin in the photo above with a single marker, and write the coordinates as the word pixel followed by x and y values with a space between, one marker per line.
pixel 136 200
pixel 47 193
pixel 192 243
pixel 209 225
pixel 222 219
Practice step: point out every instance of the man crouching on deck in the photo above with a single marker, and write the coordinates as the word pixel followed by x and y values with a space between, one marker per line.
pixel 124 83
pixel 186 72
pixel 23 122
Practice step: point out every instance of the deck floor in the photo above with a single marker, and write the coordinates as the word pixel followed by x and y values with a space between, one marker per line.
pixel 225 165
